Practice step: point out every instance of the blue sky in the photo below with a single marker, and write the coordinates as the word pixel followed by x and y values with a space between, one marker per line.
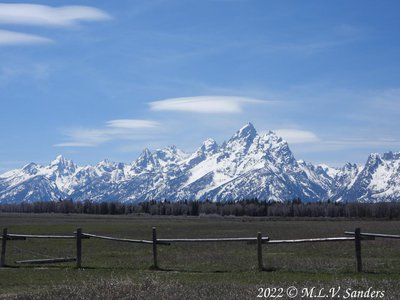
pixel 105 79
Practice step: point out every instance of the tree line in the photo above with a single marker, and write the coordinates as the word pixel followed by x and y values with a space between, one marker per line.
pixel 252 207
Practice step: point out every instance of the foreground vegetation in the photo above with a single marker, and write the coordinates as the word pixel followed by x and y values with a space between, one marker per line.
pixel 113 270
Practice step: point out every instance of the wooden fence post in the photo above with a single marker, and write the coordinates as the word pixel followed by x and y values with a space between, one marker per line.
pixel 259 252
pixel 3 248
pixel 155 263
pixel 78 247
pixel 357 240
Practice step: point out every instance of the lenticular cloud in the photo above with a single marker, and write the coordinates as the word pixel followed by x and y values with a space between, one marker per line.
pixel 205 104
pixel 43 15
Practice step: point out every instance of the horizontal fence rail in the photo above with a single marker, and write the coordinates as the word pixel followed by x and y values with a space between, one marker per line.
pixel 46 260
pixel 38 236
pixel 379 235
pixel 209 240
pixel 314 240
pixel 122 239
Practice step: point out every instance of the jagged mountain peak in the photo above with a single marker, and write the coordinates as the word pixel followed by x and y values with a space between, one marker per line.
pixel 377 180
pixel 374 156
pixel 209 146
pixel 104 162
pixel 170 153
pixel 373 161
pixel 146 153
pixel 378 157
pixel 349 166
pixel 209 143
pixel 391 155
pixel 62 165
pixel 31 168
pixel 247 132
pixel 241 141
pixel 106 165
pixel 276 148
pixel 270 137
pixel 145 161
pixel 60 159
pixel 249 165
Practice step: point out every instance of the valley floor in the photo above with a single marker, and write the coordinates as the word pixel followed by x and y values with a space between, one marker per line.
pixel 112 270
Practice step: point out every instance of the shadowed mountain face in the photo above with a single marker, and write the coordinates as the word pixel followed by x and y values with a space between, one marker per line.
pixel 248 165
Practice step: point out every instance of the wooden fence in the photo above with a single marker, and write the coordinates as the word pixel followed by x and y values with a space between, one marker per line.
pixel 357 236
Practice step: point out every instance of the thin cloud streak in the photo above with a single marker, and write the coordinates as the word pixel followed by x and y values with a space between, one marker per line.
pixel 43 15
pixel 205 104
pixel 74 144
pixel 296 136
pixel 132 123
pixel 8 38
pixel 122 129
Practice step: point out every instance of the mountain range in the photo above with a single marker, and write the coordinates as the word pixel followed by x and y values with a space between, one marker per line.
pixel 247 166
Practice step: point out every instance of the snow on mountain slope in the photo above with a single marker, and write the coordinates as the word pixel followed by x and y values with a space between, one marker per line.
pixel 208 148
pixel 378 180
pixel 248 165
pixel 251 166
pixel 37 188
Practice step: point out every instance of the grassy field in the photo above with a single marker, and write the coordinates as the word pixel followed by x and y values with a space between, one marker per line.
pixel 113 270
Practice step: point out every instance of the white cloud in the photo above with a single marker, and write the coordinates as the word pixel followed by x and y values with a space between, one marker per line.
pixel 295 136
pixel 123 129
pixel 88 137
pixel 74 144
pixel 132 123
pixel 205 104
pixel 43 15
pixel 16 38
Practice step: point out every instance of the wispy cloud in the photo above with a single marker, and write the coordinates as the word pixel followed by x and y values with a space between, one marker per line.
pixel 17 38
pixel 43 15
pixel 132 123
pixel 205 104
pixel 75 144
pixel 296 136
pixel 123 129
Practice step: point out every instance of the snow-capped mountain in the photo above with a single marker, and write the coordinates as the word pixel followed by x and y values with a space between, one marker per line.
pixel 248 165
pixel 378 180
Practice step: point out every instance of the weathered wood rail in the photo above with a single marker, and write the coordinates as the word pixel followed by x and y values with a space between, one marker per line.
pixel 211 240
pixel 357 236
pixel 38 236
pixel 123 239
pixel 13 236
pixel 314 240
pixel 259 239
pixel 378 235
pixel 46 260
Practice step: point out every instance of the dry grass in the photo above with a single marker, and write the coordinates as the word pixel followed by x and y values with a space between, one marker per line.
pixel 156 288
pixel 113 270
